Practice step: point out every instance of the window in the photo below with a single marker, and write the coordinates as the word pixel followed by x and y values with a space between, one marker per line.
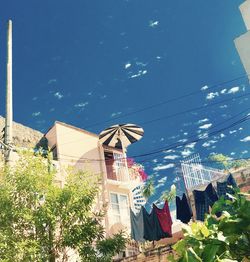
pixel 120 208
pixel 115 166
pixel 54 152
pixel 119 160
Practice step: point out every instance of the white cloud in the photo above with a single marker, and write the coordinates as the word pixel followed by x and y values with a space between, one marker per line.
pixel 162 180
pixel 176 179
pixel 233 90
pixel 204 135
pixel 115 114
pixel 191 146
pixel 153 23
pixel 140 73
pixel 201 121
pixel 169 151
pixel 36 114
pixel 185 133
pixel 223 91
pixel 182 140
pixel 246 139
pixel 58 95
pixel 127 65
pixel 222 135
pixel 232 132
pixel 209 143
pixel 206 126
pixel 244 152
pixel 52 81
pixel 186 152
pixel 232 153
pixel 163 167
pixel 81 105
pixel 212 95
pixel 223 106
pixel 171 157
pixel 138 63
pixel 204 88
pixel 158 185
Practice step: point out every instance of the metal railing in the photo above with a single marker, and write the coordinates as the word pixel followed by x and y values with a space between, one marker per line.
pixel 197 175
pixel 122 173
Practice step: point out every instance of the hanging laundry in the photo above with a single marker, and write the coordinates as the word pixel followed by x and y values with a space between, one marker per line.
pixel 203 200
pixel 164 218
pixel 137 226
pixel 183 210
pixel 226 187
pixel 152 227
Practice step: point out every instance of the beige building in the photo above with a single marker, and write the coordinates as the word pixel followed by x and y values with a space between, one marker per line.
pixel 242 43
pixel 80 149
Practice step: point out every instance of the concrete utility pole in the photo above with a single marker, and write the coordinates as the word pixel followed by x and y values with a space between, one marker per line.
pixel 9 106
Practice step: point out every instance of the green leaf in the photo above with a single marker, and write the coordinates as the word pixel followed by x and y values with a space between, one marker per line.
pixel 210 252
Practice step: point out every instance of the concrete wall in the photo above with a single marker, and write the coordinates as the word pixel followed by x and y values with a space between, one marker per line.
pixel 242 44
pixel 245 12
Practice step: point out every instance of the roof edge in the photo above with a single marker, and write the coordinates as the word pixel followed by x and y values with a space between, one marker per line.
pixel 75 128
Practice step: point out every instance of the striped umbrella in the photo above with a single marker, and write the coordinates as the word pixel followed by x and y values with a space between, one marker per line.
pixel 120 136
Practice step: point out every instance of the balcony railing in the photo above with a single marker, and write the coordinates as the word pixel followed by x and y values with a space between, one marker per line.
pixel 122 173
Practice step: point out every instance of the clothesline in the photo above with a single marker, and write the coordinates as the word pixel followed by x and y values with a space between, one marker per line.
pixel 158 223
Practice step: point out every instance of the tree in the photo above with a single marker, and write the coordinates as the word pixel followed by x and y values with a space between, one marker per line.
pixel 148 188
pixel 40 221
pixel 218 239
pixel 169 195
pixel 226 162
pixel 221 160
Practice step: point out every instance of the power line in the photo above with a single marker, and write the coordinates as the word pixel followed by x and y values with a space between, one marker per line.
pixel 183 112
pixel 174 145
pixel 194 109
pixel 166 101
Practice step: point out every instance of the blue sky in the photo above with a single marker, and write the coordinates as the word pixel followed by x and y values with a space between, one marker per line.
pixel 85 62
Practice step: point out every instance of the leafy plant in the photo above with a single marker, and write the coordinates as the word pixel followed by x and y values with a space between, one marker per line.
pixel 40 221
pixel 226 238
pixel 148 188
pixel 225 162
pixel 169 195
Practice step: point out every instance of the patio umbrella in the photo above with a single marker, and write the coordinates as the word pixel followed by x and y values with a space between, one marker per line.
pixel 120 136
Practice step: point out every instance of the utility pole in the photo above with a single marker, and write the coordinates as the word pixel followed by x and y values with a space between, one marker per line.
pixel 9 106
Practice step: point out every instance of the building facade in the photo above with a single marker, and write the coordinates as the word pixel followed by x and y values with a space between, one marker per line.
pixel 79 149
pixel 242 43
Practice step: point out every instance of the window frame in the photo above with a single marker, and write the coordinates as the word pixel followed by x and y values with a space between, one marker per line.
pixel 121 216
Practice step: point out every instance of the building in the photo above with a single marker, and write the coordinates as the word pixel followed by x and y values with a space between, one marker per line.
pixel 242 43
pixel 80 149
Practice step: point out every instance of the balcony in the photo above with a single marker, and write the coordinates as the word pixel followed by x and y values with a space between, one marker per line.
pixel 123 176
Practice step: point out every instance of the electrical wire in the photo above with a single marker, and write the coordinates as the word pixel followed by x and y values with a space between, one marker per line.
pixel 181 113
pixel 167 101
pixel 174 145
